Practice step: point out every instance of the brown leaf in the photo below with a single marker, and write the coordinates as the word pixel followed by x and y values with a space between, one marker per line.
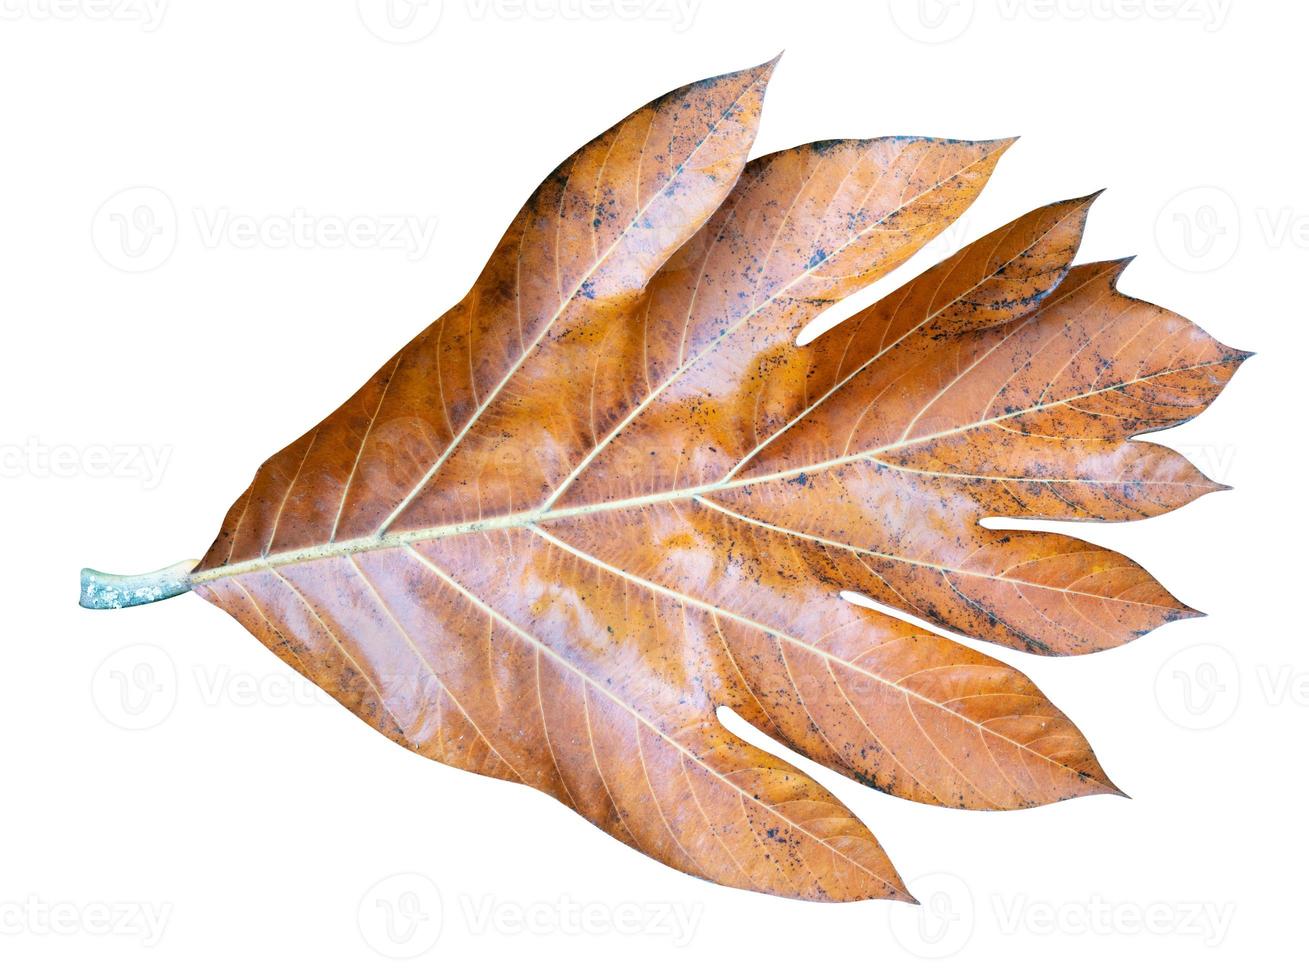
pixel 607 494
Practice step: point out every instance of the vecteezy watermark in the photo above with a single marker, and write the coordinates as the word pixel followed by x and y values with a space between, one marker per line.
pixel 300 229
pixel 949 915
pixel 36 916
pixel 149 14
pixel 677 14
pixel 39 460
pixel 1201 687
pixel 1198 687
pixel 938 21
pixel 400 21
pixel 1199 229
pixel 673 921
pixel 932 21
pixel 221 685
pixel 1208 922
pixel 138 686
pixel 135 230
pixel 1202 228
pixel 407 21
pixel 1283 684
pixel 138 229
pixel 1216 460
pixel 942 925
pixel 135 687
pixel 401 916
pixel 947 242
pixel 1210 15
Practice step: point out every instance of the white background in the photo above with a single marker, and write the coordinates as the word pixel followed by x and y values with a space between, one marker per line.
pixel 176 802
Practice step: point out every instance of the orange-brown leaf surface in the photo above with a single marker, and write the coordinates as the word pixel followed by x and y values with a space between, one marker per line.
pixel 607 494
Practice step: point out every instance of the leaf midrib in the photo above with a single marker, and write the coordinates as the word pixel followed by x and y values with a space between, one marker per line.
pixel 809 272
pixel 564 304
pixel 518 519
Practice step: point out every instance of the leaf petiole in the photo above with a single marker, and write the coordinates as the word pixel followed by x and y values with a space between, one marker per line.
pixel 102 590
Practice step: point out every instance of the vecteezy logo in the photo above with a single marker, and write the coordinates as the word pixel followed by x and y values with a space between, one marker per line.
pixel 932 21
pixel 1199 229
pixel 400 21
pixel 135 687
pixel 136 229
pixel 400 916
pixel 1198 687
pixel 942 924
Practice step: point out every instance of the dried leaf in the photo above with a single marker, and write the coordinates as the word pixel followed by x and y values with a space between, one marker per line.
pixel 607 494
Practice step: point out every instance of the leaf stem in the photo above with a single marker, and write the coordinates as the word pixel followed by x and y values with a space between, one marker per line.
pixel 101 590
